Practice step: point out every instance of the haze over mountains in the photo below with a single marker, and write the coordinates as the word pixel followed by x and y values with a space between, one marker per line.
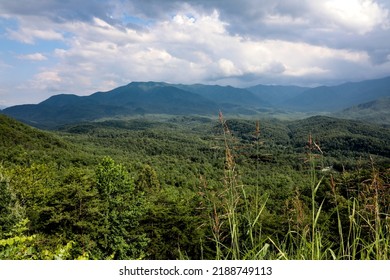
pixel 140 98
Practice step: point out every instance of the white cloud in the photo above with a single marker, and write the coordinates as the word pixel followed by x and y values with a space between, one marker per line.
pixel 359 16
pixel 305 71
pixel 28 35
pixel 49 76
pixel 45 81
pixel 33 56
pixel 184 49
pixel 293 41
pixel 228 68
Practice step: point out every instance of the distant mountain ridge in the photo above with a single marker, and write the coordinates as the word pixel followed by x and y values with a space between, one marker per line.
pixel 226 94
pixel 140 98
pixel 335 98
pixel 377 111
pixel 277 95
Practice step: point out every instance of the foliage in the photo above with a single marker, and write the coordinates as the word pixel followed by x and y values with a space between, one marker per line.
pixel 195 188
pixel 120 211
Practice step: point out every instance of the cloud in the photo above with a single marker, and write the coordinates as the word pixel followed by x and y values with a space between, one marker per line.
pixel 185 49
pixel 110 43
pixel 359 16
pixel 29 35
pixel 351 24
pixel 57 10
pixel 249 15
pixel 228 68
pixel 47 80
pixel 33 57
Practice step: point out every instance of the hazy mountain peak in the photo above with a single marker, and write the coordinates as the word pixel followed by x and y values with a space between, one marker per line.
pixel 147 85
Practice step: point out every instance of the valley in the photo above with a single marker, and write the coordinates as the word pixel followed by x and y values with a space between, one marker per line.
pixel 192 187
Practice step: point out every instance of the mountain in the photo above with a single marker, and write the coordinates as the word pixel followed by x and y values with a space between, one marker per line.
pixel 132 99
pixel 377 111
pixel 335 98
pixel 276 95
pixel 151 97
pixel 226 95
pixel 140 98
pixel 46 115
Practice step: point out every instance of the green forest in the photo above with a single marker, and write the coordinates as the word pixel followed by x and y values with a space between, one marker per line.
pixel 197 188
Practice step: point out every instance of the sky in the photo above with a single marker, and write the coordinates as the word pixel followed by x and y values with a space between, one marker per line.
pixel 49 47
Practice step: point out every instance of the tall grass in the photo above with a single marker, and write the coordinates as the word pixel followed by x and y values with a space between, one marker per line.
pixel 362 220
pixel 236 216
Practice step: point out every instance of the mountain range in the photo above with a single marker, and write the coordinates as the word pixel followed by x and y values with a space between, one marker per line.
pixel 140 98
pixel 377 111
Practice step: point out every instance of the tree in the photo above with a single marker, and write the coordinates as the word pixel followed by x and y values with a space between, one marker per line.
pixel 147 179
pixel 121 209
pixel 11 213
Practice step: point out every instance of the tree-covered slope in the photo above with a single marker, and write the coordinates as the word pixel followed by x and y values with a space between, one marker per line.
pixel 377 111
pixel 194 187
pixel 14 133
pixel 338 136
pixel 23 144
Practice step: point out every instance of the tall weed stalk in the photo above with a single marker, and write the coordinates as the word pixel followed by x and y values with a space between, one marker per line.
pixel 240 238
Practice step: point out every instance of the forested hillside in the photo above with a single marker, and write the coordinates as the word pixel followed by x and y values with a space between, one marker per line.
pixel 188 187
pixel 376 111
